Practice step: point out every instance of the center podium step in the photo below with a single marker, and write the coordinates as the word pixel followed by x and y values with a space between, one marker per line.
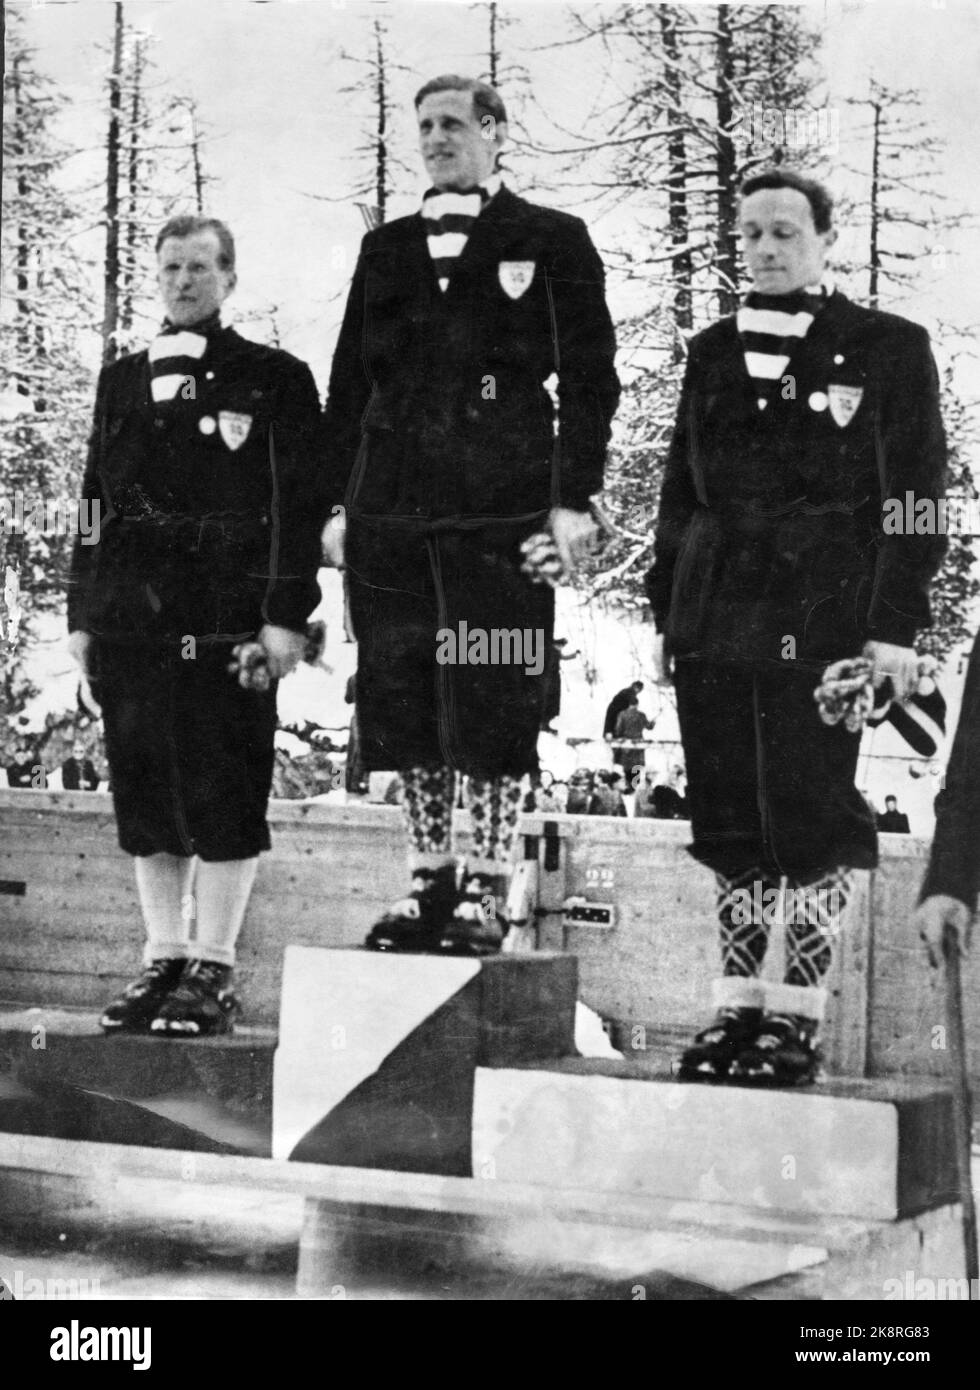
pixel 378 1053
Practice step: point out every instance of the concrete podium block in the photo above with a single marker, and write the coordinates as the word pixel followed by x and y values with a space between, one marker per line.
pixel 377 1053
pixel 61 1077
pixel 873 1150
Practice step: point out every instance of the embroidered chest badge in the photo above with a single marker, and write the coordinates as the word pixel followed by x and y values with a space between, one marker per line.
pixel 234 427
pixel 515 277
pixel 843 402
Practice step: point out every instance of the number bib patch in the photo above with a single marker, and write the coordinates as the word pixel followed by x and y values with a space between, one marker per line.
pixel 515 277
pixel 234 427
pixel 843 402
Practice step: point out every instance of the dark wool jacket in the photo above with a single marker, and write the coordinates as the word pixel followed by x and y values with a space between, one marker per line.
pixel 770 522
pixel 446 391
pixel 77 776
pixel 954 865
pixel 203 532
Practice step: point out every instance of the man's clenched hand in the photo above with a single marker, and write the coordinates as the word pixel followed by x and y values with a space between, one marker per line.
pixel 935 916
pixel 575 535
pixel 283 647
pixel 899 663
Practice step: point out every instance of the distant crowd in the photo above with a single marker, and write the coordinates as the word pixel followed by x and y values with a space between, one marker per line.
pixel 58 760
pixel 605 792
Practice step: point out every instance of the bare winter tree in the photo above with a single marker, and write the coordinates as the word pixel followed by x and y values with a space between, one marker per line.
pixel 111 267
pixel 188 106
pixel 687 129
pixel 154 168
pixel 45 388
pixel 903 221
pixel 378 165
pixel 710 94
pixel 904 215
pixel 509 77
pixel 956 589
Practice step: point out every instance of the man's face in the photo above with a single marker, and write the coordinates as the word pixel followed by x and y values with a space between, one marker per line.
pixel 458 150
pixel 78 751
pixel 192 283
pixel 784 250
pixel 890 803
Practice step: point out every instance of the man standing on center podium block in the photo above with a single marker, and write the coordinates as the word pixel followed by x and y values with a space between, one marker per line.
pixel 444 447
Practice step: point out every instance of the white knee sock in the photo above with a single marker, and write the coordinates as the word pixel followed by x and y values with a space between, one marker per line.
pixel 222 892
pixel 163 882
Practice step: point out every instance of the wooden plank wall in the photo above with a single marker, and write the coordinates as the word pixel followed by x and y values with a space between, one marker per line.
pixel 74 936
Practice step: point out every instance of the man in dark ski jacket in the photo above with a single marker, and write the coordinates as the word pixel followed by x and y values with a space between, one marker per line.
pixel 620 701
pixel 443 457
pixel 202 464
pixel 803 420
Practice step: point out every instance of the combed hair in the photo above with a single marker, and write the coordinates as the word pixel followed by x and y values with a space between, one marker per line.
pixel 486 99
pixel 189 224
pixel 820 200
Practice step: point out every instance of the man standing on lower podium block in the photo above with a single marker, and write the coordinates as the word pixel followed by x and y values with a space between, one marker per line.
pixel 800 417
pixel 201 461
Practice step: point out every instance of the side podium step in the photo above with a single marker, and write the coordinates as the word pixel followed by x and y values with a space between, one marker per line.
pixel 874 1150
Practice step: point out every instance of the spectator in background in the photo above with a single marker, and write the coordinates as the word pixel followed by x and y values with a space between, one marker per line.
pixel 607 799
pixel 581 785
pixel 616 705
pixel 643 804
pixel 669 802
pixel 547 795
pixel 78 773
pixel 551 682
pixel 23 770
pixel 554 799
pixel 892 820
pixel 631 725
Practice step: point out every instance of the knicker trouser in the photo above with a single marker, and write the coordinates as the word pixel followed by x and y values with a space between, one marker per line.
pixel 769 785
pixel 407 589
pixel 190 753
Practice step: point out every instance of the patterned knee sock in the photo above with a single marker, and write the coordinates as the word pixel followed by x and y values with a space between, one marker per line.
pixel 813 921
pixel 428 806
pixel 744 930
pixel 494 805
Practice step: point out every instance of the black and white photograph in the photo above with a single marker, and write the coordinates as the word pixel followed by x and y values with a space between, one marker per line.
pixel 490 723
